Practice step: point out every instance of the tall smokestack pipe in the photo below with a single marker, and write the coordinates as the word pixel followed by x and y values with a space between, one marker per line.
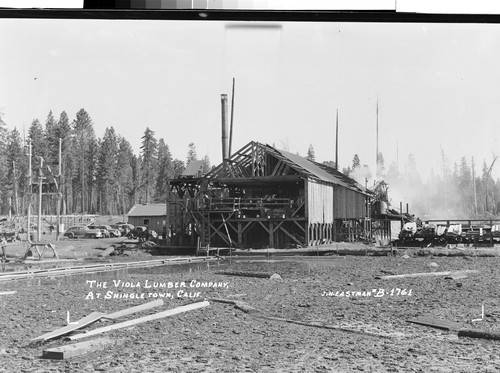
pixel 225 149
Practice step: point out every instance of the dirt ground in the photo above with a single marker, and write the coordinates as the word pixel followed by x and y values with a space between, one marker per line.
pixel 222 338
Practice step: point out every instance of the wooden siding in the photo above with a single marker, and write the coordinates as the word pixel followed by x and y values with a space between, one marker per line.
pixel 348 204
pixel 327 202
pixel 155 223
pixel 320 202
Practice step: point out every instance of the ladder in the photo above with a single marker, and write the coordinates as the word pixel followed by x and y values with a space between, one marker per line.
pixel 205 228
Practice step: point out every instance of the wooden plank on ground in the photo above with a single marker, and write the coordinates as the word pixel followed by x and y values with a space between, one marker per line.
pixel 427 274
pixel 475 333
pixel 246 274
pixel 126 324
pixel 139 308
pixel 76 349
pixel 8 292
pixel 87 320
pixel 436 323
pixel 238 304
pixel 323 326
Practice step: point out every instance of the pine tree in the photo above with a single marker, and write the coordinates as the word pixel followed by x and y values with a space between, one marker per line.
pixel 355 162
pixel 84 143
pixel 165 170
pixel 192 155
pixel 106 172
pixel 3 164
pixel 310 153
pixel 16 170
pixel 125 175
pixel 206 165
pixel 179 167
pixel 149 153
pixel 38 145
pixel 68 155
pixel 465 187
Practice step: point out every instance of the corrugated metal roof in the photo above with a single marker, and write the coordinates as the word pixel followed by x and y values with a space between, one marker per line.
pixel 321 172
pixel 153 209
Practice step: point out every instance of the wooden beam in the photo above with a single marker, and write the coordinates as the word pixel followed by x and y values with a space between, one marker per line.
pixel 139 308
pixel 107 252
pixel 291 236
pixel 276 168
pixel 76 349
pixel 323 326
pixel 87 320
pixel 427 274
pixel 275 228
pixel 298 225
pixel 156 316
pixel 263 226
pixel 8 292
pixel 246 274
pixel 436 323
pixel 237 304
pixel 475 333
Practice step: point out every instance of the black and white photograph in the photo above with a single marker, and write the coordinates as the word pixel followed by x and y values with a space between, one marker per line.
pixel 249 192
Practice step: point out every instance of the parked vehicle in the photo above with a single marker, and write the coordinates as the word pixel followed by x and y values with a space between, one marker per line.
pixel 124 228
pixel 81 231
pixel 138 232
pixel 108 230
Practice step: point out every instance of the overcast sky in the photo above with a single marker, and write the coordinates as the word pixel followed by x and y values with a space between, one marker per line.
pixel 438 85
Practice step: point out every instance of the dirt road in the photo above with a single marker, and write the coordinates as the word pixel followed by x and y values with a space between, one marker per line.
pixel 322 294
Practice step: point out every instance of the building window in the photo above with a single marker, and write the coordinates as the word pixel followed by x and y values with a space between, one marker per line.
pixel 146 221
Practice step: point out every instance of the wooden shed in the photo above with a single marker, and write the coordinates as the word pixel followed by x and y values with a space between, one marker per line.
pixel 152 216
pixel 264 197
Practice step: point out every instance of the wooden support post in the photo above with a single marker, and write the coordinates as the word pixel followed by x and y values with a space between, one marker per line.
pixel 271 235
pixel 240 235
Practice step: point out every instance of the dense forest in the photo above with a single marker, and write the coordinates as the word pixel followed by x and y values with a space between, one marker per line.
pixel 453 191
pixel 103 175
pixel 97 175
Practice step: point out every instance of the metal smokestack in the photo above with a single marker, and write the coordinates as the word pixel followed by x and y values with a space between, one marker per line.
pixel 225 148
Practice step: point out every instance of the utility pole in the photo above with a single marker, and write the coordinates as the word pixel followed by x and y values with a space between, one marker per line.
pixel 337 141
pixel 40 184
pixel 474 188
pixel 376 158
pixel 59 194
pixel 29 191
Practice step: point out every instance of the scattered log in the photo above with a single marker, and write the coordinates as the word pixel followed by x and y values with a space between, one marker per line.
pixel 238 304
pixel 222 300
pixel 126 324
pixel 427 274
pixel 236 295
pixel 128 311
pixel 245 307
pixel 87 320
pixel 246 274
pixel 108 251
pixel 8 292
pixel 436 323
pixel 76 349
pixel 475 333
pixel 323 326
